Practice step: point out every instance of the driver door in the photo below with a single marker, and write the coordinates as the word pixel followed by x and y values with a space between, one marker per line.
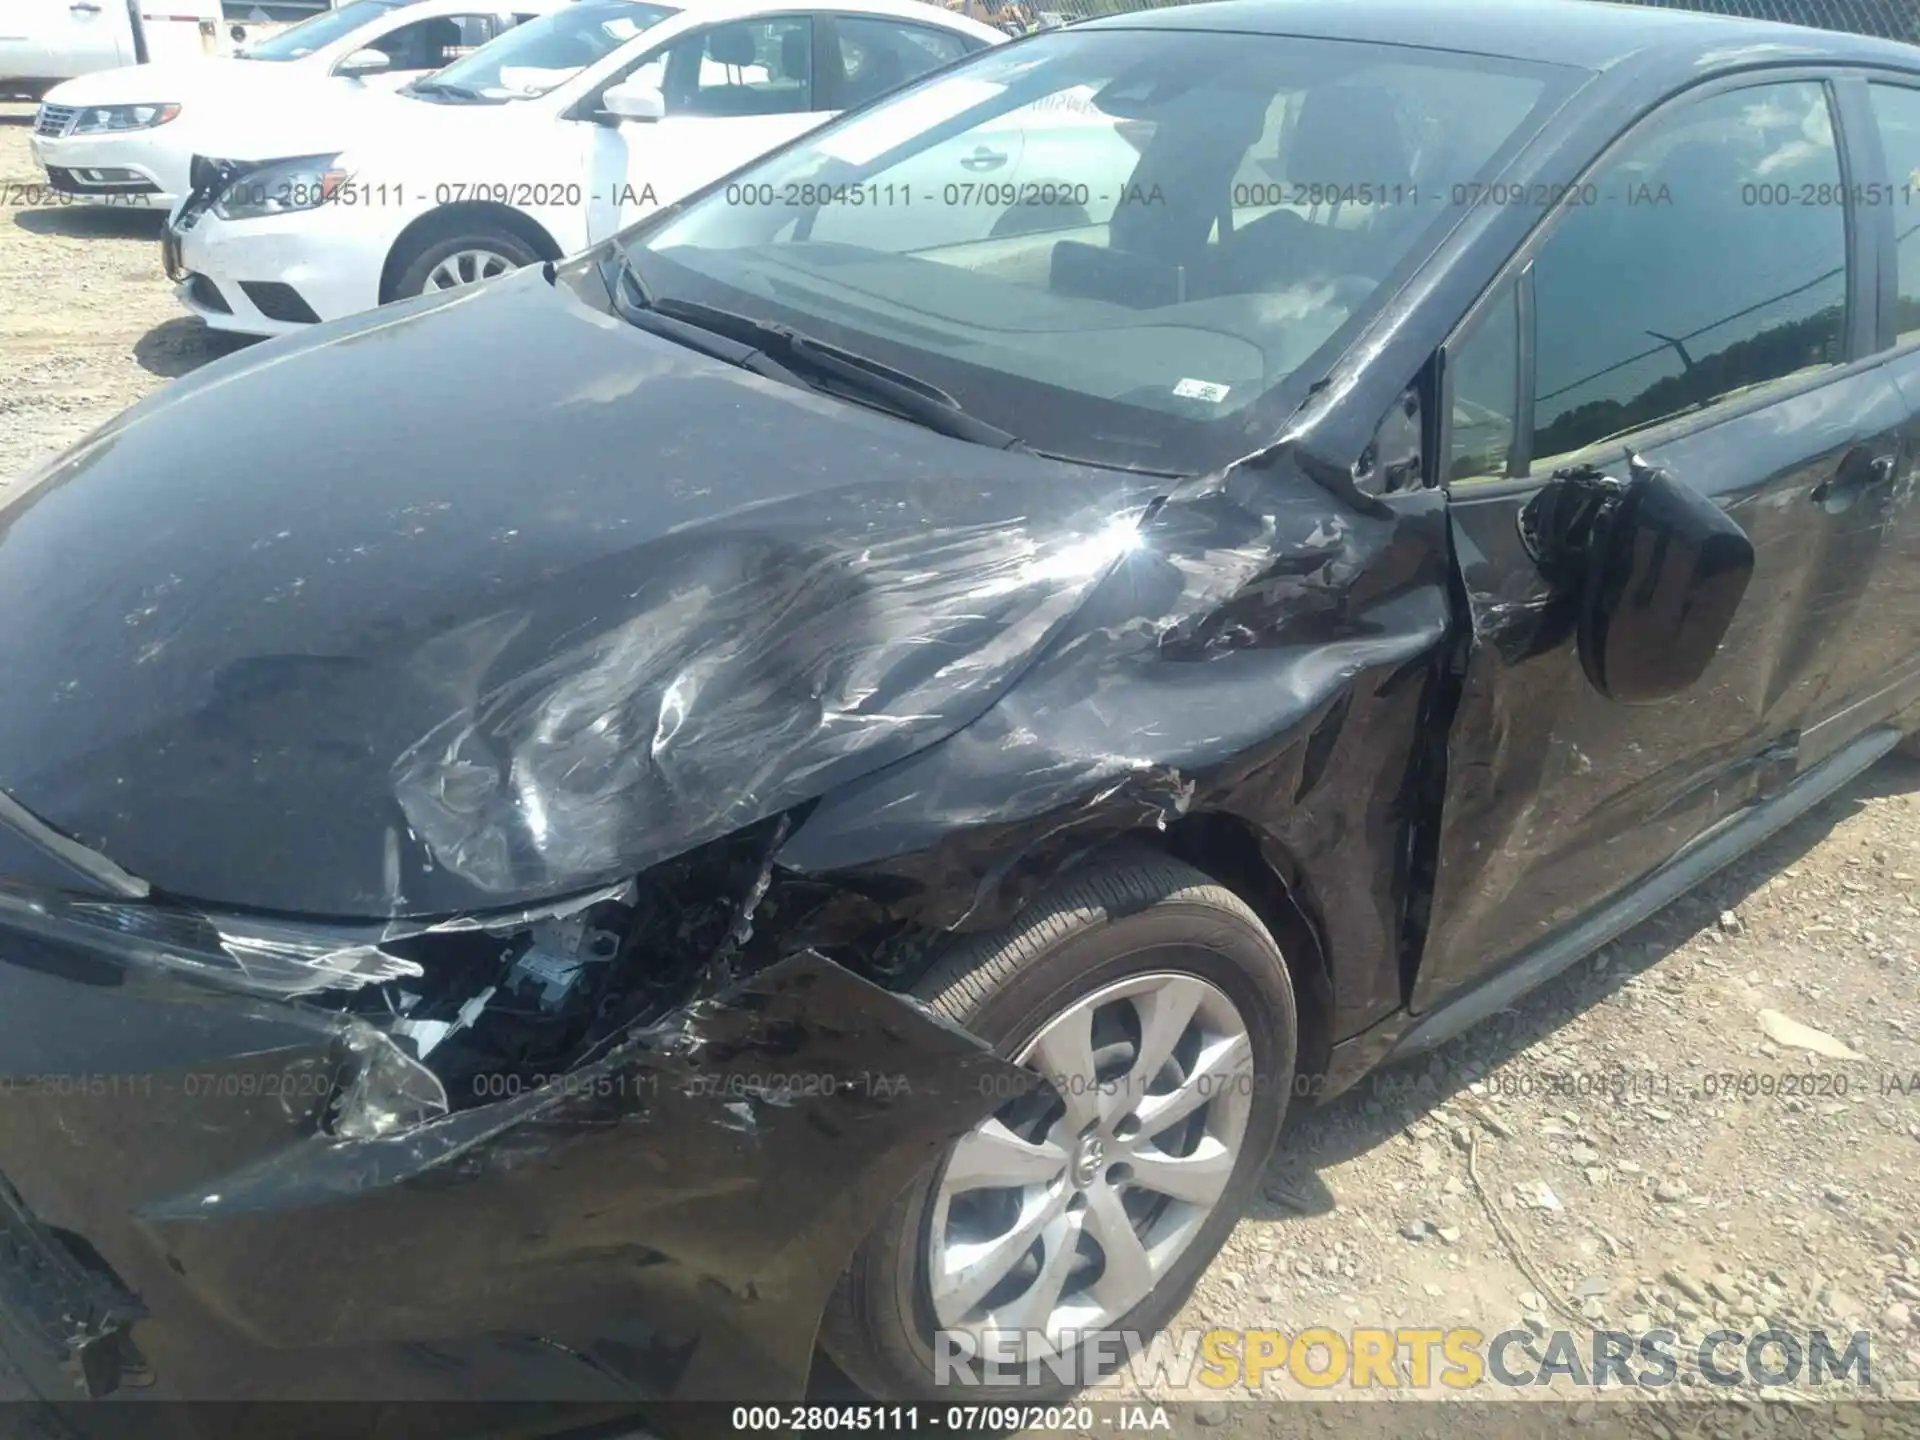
pixel 1728 343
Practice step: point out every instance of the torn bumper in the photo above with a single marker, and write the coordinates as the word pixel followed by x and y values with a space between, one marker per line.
pixel 665 1222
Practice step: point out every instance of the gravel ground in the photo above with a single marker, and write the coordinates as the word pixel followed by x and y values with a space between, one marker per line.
pixel 1606 1155
pixel 87 320
pixel 1628 1148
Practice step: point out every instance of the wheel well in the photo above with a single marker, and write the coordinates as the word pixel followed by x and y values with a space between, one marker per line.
pixel 1230 852
pixel 450 220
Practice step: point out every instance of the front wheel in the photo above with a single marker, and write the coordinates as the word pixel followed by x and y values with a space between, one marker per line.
pixel 1159 1012
pixel 477 252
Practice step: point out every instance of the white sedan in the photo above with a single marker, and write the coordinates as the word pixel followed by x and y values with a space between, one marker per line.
pixel 554 136
pixel 128 136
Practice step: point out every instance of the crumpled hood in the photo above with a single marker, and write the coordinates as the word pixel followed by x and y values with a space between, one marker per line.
pixel 488 598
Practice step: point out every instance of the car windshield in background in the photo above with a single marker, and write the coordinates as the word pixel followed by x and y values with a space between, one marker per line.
pixel 322 30
pixel 1113 243
pixel 533 58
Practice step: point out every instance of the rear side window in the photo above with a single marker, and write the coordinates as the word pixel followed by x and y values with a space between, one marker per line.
pixel 1898 111
pixel 1707 261
pixel 881 55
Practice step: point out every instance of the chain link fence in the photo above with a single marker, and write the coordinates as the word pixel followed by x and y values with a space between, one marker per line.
pixel 1890 19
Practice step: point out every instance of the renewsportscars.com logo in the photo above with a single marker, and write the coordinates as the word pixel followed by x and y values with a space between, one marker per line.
pixel 1461 1358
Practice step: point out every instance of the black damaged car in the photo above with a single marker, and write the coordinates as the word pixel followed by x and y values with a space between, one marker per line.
pixel 821 775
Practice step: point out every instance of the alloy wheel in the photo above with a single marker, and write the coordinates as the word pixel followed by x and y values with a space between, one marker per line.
pixel 1059 1215
pixel 465 267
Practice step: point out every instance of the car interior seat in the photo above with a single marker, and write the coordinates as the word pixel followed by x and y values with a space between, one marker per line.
pixel 1345 138
pixel 796 63
pixel 1157 250
pixel 730 46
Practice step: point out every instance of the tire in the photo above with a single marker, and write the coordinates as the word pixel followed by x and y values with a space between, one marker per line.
pixel 477 238
pixel 1909 746
pixel 1112 928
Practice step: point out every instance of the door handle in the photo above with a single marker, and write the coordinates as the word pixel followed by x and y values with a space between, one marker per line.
pixel 1858 472
pixel 85 8
pixel 983 159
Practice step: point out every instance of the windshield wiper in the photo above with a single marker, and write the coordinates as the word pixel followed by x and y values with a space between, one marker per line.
pixel 861 376
pixel 784 354
pixel 635 303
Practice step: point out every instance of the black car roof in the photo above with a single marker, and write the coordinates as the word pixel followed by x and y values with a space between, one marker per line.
pixel 1586 33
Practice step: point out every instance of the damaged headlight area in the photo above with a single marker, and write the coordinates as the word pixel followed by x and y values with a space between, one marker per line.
pixel 440 1017
pixel 501 1009
pixel 505 1006
pixel 497 1011
pixel 263 957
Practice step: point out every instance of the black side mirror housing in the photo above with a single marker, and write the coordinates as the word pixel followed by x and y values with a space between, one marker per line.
pixel 1656 571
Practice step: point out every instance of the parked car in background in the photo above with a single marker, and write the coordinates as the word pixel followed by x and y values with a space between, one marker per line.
pixel 129 135
pixel 43 42
pixel 741 790
pixel 552 137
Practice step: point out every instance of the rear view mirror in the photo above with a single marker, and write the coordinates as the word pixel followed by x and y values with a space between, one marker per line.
pixel 364 62
pixel 633 100
pixel 1659 571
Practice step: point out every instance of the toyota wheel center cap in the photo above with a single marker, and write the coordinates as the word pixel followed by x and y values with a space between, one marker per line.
pixel 1087 1161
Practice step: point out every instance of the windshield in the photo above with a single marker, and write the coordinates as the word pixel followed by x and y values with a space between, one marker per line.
pixel 1116 244
pixel 322 30
pixel 533 58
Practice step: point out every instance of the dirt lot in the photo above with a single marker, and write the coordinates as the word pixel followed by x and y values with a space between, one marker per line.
pixel 88 321
pixel 1642 1153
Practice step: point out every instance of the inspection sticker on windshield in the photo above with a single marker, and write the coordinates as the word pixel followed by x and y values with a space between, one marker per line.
pixel 1201 390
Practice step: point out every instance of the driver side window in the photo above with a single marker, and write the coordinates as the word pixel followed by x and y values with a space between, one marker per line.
pixel 431 44
pixel 1694 271
pixel 878 55
pixel 1679 277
